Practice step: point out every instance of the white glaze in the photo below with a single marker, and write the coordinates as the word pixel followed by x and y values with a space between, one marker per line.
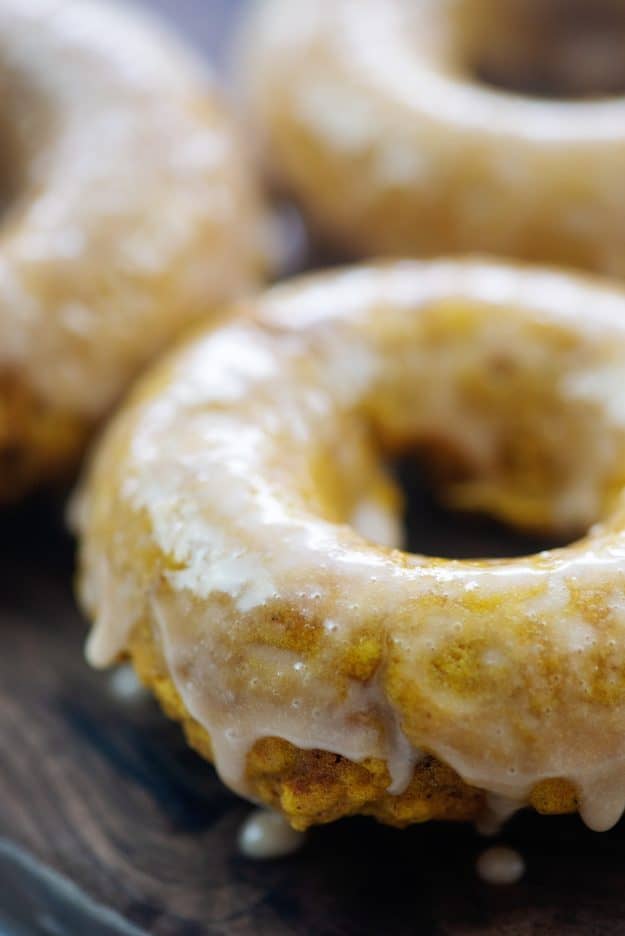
pixel 219 460
pixel 500 865
pixel 314 718
pixel 497 811
pixel 266 835
pixel 125 686
pixel 377 523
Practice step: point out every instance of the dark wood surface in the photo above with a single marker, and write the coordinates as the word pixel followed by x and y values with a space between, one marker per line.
pixel 109 824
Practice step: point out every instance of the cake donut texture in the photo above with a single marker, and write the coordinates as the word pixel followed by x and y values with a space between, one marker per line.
pixel 394 125
pixel 239 529
pixel 127 211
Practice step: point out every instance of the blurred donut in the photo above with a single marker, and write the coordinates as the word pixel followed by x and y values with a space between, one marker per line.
pixel 127 212
pixel 377 116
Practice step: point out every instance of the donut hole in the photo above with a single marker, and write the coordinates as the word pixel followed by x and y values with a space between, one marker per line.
pixel 433 529
pixel 560 49
pixel 502 413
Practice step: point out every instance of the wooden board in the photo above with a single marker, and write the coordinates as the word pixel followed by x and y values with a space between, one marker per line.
pixel 109 824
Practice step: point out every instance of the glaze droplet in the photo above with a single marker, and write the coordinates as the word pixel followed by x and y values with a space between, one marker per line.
pixel 125 686
pixel 500 865
pixel 266 834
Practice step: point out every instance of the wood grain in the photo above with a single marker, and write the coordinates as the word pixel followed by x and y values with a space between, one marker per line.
pixel 105 793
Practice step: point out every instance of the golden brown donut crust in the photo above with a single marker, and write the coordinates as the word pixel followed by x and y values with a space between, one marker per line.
pixel 316 787
pixel 36 441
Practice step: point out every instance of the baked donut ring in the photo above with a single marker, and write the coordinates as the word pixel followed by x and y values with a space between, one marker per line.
pixel 374 115
pixel 128 211
pixel 326 674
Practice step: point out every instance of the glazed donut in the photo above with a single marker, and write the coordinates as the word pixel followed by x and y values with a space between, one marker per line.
pixel 127 212
pixel 232 517
pixel 377 117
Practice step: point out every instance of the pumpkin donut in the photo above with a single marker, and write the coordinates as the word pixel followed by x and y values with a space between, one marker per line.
pixel 127 212
pixel 400 126
pixel 237 528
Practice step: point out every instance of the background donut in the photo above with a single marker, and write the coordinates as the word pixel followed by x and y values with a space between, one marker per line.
pixel 425 127
pixel 128 211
